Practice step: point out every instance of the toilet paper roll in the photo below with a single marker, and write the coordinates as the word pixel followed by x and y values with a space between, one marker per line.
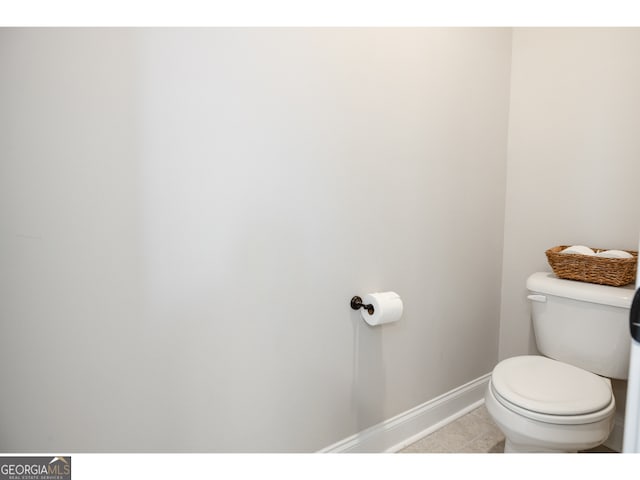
pixel 387 308
pixel 614 254
pixel 579 249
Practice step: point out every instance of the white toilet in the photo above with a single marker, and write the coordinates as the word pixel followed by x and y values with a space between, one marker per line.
pixel 563 401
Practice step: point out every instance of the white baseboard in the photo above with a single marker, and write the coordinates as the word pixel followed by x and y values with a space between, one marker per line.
pixel 397 432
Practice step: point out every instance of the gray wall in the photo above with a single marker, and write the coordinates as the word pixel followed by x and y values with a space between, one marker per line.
pixel 185 214
pixel 573 155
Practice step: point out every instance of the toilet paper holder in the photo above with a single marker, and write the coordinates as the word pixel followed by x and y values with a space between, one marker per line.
pixel 356 303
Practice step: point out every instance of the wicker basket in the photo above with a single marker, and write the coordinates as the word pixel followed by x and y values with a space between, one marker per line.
pixel 588 268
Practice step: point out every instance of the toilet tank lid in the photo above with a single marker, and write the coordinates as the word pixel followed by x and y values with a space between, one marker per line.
pixel 547 282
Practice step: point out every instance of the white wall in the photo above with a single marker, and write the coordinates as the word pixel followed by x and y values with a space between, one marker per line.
pixel 573 155
pixel 185 214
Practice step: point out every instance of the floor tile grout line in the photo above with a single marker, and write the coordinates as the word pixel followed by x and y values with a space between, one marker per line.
pixel 440 434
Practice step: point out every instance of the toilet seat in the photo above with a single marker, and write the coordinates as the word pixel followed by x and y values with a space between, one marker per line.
pixel 550 391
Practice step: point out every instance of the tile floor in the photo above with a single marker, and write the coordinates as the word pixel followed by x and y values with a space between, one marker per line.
pixel 474 432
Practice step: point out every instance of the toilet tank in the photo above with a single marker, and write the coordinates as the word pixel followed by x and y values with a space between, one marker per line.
pixel 583 324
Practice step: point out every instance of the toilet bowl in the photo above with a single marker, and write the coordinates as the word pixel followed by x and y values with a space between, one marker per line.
pixel 562 400
pixel 542 405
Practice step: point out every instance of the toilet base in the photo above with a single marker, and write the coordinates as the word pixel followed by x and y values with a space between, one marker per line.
pixel 523 435
pixel 510 447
